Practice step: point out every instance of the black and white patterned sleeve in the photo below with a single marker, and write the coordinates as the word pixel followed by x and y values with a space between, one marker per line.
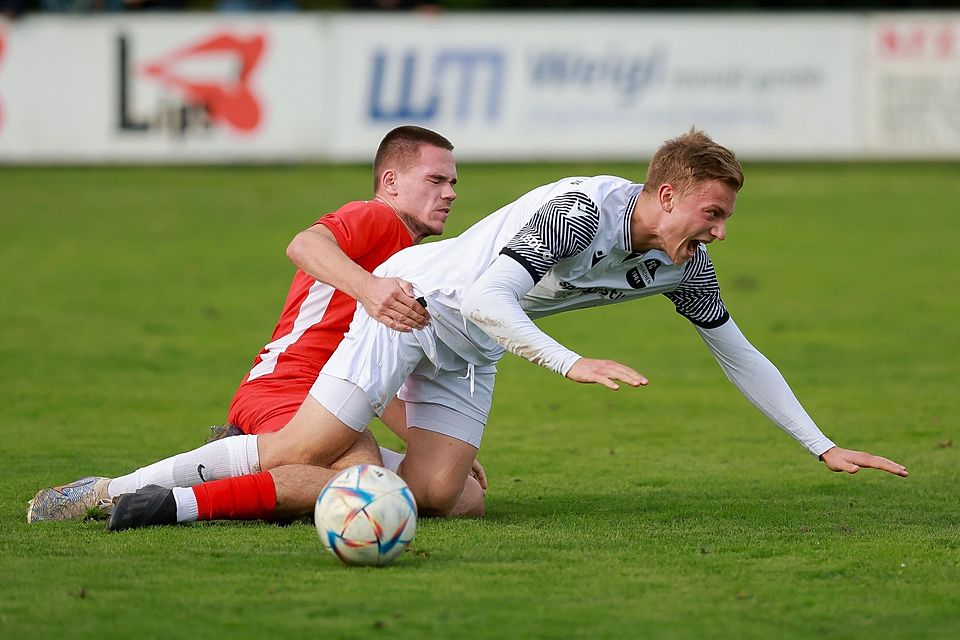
pixel 561 228
pixel 697 298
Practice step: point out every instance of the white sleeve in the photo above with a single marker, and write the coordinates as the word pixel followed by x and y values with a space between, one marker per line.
pixel 763 385
pixel 493 304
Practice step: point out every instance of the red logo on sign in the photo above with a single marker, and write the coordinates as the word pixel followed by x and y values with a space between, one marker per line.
pixel 231 101
pixel 919 41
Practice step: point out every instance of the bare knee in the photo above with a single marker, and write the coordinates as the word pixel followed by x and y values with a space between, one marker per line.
pixel 470 504
pixel 436 496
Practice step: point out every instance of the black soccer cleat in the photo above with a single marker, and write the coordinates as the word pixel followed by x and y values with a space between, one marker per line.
pixel 149 506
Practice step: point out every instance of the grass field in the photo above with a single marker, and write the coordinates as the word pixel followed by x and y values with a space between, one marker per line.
pixel 132 301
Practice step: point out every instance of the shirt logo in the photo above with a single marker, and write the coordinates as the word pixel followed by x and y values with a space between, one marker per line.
pixel 533 243
pixel 577 211
pixel 643 274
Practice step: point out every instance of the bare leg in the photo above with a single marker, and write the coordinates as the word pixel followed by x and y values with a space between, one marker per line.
pixel 395 417
pixel 314 436
pixel 298 485
pixel 436 469
pixel 470 504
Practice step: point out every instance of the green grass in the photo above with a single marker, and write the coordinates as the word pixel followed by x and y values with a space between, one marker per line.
pixel 132 301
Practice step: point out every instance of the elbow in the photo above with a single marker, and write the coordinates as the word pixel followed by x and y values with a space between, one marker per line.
pixel 296 250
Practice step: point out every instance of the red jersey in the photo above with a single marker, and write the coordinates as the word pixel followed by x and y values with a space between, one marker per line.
pixel 314 318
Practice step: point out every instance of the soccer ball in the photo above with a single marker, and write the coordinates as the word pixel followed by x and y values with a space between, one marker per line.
pixel 366 515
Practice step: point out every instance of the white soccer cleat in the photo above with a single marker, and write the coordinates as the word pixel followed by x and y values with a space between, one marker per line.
pixel 72 501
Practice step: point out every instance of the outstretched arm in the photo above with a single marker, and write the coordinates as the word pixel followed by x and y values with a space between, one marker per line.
pixel 388 300
pixel 763 385
pixel 493 304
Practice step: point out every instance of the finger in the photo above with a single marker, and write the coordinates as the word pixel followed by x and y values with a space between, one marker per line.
pixel 481 476
pixel 408 322
pixel 410 302
pixel 406 287
pixel 607 382
pixel 395 324
pixel 397 312
pixel 626 374
pixel 410 312
pixel 889 466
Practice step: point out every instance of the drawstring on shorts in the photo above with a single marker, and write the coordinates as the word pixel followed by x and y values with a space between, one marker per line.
pixel 470 375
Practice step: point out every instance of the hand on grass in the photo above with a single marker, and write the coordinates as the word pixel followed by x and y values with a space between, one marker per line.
pixel 605 372
pixel 838 459
pixel 391 301
pixel 480 475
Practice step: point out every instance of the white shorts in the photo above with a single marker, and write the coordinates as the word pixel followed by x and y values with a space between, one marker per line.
pixel 444 393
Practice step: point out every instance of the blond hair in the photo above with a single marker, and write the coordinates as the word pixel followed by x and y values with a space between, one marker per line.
pixel 692 158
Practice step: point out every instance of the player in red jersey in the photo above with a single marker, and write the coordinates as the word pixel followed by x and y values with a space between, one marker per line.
pixel 316 315
pixel 414 178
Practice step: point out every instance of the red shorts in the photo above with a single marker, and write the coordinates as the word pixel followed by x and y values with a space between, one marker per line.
pixel 267 404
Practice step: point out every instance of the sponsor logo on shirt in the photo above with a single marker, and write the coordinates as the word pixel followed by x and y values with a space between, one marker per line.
pixel 643 274
pixel 533 243
pixel 570 290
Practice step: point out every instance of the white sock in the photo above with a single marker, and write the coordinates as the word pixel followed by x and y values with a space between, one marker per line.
pixel 391 459
pixel 226 458
pixel 186 504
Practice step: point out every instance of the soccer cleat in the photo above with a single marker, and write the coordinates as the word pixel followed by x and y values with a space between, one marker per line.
pixel 149 506
pixel 221 431
pixel 75 501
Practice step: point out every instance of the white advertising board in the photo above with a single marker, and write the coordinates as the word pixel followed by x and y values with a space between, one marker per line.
pixel 268 88
pixel 162 89
pixel 601 86
pixel 914 90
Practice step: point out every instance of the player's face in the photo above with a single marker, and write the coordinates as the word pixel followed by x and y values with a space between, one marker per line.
pixel 425 192
pixel 696 217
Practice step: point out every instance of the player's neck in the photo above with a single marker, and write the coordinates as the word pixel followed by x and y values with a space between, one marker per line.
pixel 403 220
pixel 644 224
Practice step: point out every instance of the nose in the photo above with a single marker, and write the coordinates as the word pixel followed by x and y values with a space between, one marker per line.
pixel 719 231
pixel 449 193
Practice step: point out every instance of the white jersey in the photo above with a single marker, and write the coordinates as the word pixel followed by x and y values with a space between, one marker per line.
pixel 573 238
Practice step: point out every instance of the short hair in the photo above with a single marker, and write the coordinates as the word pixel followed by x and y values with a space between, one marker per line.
pixel 402 146
pixel 691 158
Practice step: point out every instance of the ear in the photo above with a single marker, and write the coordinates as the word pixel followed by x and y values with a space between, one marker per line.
pixel 666 196
pixel 388 182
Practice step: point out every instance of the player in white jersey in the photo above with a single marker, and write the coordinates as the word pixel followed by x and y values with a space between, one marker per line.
pixel 576 243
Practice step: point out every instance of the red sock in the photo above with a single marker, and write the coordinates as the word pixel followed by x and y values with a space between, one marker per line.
pixel 250 497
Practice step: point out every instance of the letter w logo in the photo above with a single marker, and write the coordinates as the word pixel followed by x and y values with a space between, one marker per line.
pixel 461 78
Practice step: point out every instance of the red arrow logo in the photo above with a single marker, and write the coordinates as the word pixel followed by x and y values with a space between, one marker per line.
pixel 232 101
